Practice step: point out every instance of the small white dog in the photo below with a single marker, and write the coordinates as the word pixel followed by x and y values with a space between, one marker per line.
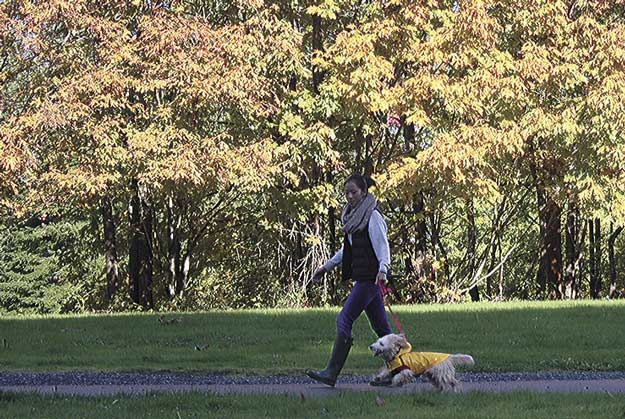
pixel 403 365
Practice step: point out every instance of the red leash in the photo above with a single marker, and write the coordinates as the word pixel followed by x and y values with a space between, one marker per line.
pixel 385 291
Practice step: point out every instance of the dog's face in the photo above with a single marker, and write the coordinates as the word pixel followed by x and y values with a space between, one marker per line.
pixel 387 347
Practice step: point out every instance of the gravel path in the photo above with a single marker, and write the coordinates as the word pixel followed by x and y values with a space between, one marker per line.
pixel 160 378
pixel 108 383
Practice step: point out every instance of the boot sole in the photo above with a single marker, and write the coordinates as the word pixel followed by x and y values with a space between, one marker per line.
pixel 320 379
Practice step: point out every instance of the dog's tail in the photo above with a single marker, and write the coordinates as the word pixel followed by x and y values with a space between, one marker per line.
pixel 461 359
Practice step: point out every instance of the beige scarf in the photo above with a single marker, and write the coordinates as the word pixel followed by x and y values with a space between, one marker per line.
pixel 357 219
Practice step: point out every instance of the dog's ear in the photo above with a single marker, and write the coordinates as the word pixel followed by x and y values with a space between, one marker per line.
pixel 402 341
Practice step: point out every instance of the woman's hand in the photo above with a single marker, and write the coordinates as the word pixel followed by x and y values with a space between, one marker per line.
pixel 319 273
pixel 381 278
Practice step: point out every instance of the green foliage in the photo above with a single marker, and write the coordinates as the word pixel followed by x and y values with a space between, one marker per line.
pixel 46 269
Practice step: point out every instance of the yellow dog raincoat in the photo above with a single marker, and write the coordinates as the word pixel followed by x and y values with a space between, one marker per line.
pixel 417 362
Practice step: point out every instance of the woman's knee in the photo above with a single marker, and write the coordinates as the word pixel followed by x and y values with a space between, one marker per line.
pixel 380 325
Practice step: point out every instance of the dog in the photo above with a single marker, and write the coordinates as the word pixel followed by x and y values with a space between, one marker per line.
pixel 403 365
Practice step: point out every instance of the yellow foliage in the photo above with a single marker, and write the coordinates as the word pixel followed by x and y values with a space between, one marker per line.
pixel 490 87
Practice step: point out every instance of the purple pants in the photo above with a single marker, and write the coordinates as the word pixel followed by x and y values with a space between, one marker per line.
pixel 364 296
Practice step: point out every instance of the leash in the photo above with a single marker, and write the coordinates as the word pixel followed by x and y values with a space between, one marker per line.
pixel 385 291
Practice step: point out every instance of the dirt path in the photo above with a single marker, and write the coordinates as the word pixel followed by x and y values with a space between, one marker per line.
pixel 612 386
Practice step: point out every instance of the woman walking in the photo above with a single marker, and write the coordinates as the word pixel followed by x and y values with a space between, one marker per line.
pixel 365 259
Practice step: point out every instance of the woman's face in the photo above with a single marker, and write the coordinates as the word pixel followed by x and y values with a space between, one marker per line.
pixel 353 194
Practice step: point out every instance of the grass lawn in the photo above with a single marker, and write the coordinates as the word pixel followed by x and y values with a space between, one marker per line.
pixel 523 336
pixel 428 405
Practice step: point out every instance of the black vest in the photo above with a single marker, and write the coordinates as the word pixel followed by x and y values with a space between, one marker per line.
pixel 359 260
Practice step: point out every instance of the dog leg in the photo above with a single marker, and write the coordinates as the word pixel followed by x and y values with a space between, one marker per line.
pixel 430 377
pixel 403 377
pixel 439 376
pixel 437 385
pixel 456 386
pixel 383 378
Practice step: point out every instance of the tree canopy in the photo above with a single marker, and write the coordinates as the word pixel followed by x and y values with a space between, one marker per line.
pixel 203 145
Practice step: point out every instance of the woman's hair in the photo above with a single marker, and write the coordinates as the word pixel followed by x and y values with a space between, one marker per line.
pixel 362 182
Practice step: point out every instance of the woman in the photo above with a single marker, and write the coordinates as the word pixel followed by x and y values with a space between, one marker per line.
pixel 365 259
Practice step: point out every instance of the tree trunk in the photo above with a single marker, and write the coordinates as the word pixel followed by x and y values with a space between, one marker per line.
pixel 598 255
pixel 332 221
pixel 549 273
pixel 110 249
pixel 421 228
pixel 368 170
pixel 541 273
pixel 471 245
pixel 420 245
pixel 418 205
pixel 317 45
pixel 553 247
pixel 175 280
pixel 571 278
pixel 493 264
pixel 592 270
pixel 500 285
pixel 183 274
pixel 436 247
pixel 140 253
pixel 419 264
pixel 612 259
pixel 595 258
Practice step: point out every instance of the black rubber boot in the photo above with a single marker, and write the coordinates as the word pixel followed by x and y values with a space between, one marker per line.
pixel 335 364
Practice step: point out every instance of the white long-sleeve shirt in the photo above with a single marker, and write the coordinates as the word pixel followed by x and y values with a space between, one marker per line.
pixel 379 241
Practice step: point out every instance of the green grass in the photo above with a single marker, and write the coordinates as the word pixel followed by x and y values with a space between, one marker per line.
pixel 582 335
pixel 362 405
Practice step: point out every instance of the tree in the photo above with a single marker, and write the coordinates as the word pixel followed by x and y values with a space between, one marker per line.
pixel 148 105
